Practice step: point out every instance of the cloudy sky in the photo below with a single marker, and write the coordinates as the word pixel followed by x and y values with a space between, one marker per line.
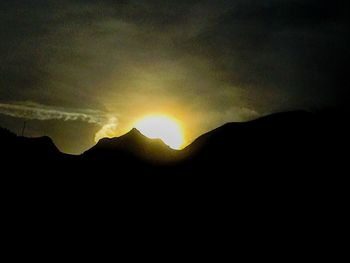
pixel 77 68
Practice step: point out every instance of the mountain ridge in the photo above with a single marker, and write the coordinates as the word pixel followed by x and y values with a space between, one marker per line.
pixel 240 142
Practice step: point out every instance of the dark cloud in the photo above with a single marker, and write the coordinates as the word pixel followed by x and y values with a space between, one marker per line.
pixel 295 49
pixel 215 59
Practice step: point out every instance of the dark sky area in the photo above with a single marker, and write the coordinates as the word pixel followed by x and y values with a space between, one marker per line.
pixel 76 68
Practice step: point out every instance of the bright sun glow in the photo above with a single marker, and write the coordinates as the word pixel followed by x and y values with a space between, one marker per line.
pixel 162 127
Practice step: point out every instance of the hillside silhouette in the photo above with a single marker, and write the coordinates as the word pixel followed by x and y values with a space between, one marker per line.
pixel 280 146
pixel 15 147
pixel 281 142
pixel 292 138
pixel 131 146
pixel 267 174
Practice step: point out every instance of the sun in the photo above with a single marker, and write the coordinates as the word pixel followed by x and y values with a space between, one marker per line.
pixel 162 127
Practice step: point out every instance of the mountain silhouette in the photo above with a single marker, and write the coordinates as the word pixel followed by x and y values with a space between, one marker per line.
pixel 22 148
pixel 266 137
pixel 131 146
pixel 282 143
pixel 268 173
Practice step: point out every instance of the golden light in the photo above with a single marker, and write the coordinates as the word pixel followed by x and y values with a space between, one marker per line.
pixel 162 127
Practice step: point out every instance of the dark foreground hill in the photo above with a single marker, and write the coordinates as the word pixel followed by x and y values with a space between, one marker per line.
pixel 293 148
pixel 13 148
pixel 280 177
pixel 131 147
pixel 280 144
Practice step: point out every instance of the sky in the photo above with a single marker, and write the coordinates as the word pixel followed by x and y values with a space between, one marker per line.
pixel 79 70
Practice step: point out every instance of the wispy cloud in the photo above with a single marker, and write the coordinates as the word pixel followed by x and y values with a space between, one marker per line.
pixel 108 129
pixel 35 111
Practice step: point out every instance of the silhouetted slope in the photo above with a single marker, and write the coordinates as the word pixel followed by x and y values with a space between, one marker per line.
pixel 282 174
pixel 5 134
pixel 291 143
pixel 291 139
pixel 282 161
pixel 278 130
pixel 29 150
pixel 132 146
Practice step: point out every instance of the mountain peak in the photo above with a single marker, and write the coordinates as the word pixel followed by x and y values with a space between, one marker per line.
pixel 134 133
pixel 134 143
pixel 134 136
